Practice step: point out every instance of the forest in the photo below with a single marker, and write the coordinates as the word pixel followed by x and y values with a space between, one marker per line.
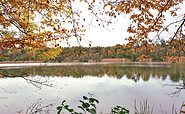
pixel 157 52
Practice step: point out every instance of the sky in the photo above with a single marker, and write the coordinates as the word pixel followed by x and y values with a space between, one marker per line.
pixel 110 35
pixel 103 37
pixel 116 32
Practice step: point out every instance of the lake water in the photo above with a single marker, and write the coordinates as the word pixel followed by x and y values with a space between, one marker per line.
pixel 28 87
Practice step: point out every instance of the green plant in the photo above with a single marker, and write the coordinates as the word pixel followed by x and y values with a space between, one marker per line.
pixel 119 110
pixel 87 105
pixel 59 108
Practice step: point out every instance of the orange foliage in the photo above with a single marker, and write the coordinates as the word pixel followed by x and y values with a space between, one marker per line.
pixel 143 20
pixel 34 23
pixel 144 56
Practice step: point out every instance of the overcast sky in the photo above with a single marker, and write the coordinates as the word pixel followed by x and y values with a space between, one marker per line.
pixel 110 35
pixel 101 36
pixel 117 32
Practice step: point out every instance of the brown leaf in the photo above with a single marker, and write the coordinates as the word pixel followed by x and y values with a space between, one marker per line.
pixel 20 111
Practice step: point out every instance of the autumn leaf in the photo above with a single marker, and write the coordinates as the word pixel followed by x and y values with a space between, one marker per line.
pixel 19 111
pixel 1 74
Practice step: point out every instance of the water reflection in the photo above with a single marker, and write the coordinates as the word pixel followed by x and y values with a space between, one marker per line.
pixel 111 84
pixel 35 80
pixel 39 108
pixel 134 72
pixel 179 87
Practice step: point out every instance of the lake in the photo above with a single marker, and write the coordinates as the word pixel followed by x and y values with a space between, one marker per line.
pixel 26 88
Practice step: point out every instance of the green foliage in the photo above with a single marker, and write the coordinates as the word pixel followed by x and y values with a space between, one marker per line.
pixel 119 110
pixel 87 105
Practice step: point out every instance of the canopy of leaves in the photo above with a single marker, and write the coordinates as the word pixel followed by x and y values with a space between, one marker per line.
pixel 34 23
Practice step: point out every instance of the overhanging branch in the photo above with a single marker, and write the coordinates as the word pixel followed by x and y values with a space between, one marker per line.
pixel 177 31
pixel 74 23
pixel 167 27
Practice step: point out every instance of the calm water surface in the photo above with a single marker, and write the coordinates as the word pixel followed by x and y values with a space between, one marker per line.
pixel 28 88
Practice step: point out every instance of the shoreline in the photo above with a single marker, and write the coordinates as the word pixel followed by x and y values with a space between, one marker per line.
pixel 18 65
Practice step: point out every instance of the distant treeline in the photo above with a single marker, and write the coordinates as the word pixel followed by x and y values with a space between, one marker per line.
pixel 91 54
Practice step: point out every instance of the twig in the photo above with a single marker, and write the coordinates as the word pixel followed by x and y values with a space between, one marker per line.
pixel 74 23
pixel 160 14
pixel 36 107
pixel 6 90
pixel 102 20
pixel 167 27
pixel 37 83
pixel 177 30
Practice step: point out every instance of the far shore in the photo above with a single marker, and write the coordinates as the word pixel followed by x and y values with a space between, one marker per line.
pixel 106 60
pixel 21 62
pixel 18 64
pixel 124 64
pixel 7 62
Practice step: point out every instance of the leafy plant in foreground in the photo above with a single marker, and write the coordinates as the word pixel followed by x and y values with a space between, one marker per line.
pixel 119 110
pixel 87 105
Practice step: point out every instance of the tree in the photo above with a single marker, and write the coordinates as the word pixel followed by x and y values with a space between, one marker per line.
pixel 143 20
pixel 50 53
pixel 34 23
pixel 149 16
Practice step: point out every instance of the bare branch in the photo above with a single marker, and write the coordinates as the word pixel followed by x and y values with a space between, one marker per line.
pixel 177 31
pixel 167 27
pixel 38 108
pixel 179 88
pixel 6 90
pixel 102 20
pixel 35 81
pixel 38 82
pixel 160 14
pixel 74 23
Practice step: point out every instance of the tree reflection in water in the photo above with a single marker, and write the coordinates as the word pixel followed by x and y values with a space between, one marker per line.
pixel 37 81
pixel 6 91
pixel 179 88
pixel 39 108
pixel 41 76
